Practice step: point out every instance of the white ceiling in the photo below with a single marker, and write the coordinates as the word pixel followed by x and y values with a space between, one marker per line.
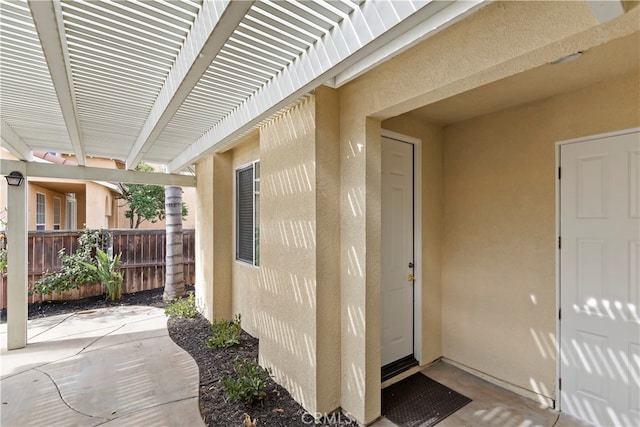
pixel 168 81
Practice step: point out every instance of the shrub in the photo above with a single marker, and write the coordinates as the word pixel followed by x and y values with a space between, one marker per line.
pixel 182 307
pixel 250 383
pixel 3 252
pixel 225 333
pixel 74 272
pixel 106 270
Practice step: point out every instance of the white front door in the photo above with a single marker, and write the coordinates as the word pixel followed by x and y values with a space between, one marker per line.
pixel 599 280
pixel 397 250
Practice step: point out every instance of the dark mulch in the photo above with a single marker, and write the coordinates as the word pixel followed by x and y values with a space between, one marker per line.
pixel 278 409
pixel 36 310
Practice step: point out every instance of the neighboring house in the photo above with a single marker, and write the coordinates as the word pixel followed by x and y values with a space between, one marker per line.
pixel 72 204
pixel 409 209
pixel 439 164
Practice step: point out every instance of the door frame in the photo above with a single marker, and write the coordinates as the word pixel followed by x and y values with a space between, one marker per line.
pixel 558 401
pixel 417 236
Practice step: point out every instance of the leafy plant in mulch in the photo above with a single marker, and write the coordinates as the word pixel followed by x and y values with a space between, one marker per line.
pixel 225 333
pixel 106 268
pixel 182 308
pixel 249 384
pixel 3 252
pixel 74 272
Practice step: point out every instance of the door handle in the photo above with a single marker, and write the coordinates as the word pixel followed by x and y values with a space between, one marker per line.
pixel 411 278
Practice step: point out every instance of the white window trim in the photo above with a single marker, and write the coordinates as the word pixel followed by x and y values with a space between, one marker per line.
pixel 44 213
pixel 59 204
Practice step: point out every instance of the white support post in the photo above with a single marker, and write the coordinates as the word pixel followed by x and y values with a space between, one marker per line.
pixel 17 264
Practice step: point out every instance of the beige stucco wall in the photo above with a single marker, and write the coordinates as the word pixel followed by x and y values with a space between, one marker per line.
pixel 278 298
pixel 291 301
pixel 430 187
pixel 246 294
pixel 213 244
pixel 288 248
pixel 299 307
pixel 96 197
pixel 501 40
pixel 49 196
pixel 498 279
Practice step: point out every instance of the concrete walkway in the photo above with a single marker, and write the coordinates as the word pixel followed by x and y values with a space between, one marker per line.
pixel 112 367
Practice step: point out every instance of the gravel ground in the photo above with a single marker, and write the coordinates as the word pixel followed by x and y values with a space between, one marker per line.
pixel 278 409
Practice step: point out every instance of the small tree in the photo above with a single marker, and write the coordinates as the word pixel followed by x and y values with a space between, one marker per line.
pixel 145 202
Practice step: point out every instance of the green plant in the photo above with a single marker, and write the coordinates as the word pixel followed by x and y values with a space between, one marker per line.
pixel 145 202
pixel 225 333
pixel 250 383
pixel 3 252
pixel 182 307
pixel 106 269
pixel 74 272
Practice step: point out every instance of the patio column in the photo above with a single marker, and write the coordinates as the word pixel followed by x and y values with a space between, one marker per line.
pixel 17 263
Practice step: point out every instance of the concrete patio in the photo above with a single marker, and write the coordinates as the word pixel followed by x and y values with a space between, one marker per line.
pixel 491 405
pixel 119 367
pixel 115 366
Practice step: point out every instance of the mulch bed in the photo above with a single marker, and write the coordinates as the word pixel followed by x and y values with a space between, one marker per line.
pixel 278 409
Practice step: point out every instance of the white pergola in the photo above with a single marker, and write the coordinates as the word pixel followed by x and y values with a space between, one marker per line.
pixel 169 82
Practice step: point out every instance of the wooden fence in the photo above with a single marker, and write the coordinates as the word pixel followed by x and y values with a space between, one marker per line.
pixel 143 260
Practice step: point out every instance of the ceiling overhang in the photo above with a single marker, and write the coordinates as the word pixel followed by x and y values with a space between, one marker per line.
pixel 170 82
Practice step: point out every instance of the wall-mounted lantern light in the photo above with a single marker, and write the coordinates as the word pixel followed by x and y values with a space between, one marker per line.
pixel 15 179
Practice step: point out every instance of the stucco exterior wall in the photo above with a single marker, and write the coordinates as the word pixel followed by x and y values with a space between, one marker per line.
pixel 246 294
pixel 431 137
pixel 49 196
pixel 502 39
pixel 328 319
pixel 299 310
pixel 314 302
pixel 288 250
pixel 214 225
pixel 498 277
pixel 97 197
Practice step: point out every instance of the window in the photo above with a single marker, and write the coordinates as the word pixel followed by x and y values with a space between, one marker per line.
pixel 72 212
pixel 57 210
pixel 40 211
pixel 248 214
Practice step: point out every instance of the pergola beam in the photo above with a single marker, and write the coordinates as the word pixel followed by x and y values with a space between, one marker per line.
pixel 213 26
pixel 12 141
pixel 371 26
pixel 47 18
pixel 48 170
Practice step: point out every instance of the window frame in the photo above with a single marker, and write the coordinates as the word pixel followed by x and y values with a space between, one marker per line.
pixel 57 213
pixel 41 214
pixel 71 212
pixel 254 166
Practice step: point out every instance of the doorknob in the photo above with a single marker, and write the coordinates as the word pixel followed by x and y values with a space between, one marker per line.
pixel 411 278
pixel 410 265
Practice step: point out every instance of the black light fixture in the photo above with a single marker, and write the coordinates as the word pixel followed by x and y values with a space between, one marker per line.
pixel 15 179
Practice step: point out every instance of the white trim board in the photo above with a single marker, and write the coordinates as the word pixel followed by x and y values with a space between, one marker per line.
pixel 45 170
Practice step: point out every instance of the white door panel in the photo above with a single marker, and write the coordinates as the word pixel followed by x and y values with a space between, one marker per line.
pixel 599 280
pixel 397 250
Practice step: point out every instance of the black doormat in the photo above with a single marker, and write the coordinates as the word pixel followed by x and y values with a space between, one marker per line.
pixel 419 401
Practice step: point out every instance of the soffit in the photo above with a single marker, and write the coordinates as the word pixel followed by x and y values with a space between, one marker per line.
pixel 605 62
